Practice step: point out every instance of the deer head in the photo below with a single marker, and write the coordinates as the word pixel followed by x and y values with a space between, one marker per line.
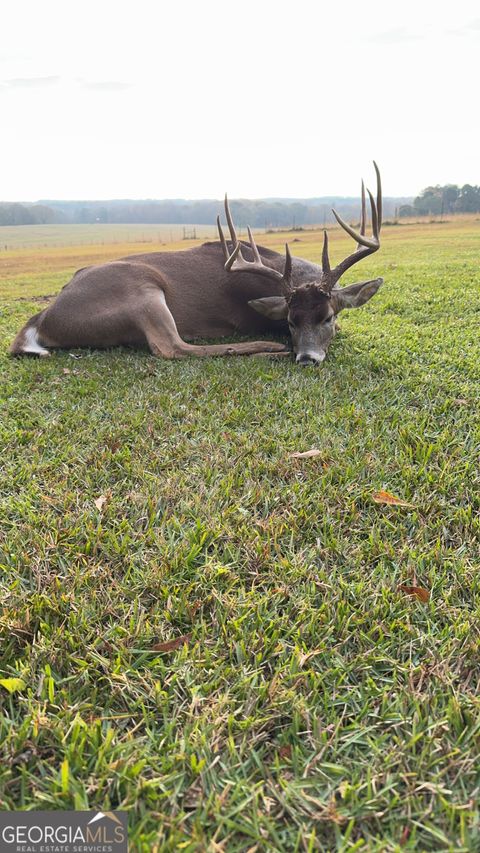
pixel 311 308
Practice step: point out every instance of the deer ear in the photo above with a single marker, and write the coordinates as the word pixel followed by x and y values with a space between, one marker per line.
pixel 354 295
pixel 273 307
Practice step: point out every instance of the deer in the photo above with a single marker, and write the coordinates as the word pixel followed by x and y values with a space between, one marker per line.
pixel 165 300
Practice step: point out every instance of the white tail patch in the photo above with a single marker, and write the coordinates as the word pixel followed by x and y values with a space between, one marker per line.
pixel 31 343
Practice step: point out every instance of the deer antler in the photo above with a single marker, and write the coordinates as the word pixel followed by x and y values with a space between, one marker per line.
pixel 235 262
pixel 365 245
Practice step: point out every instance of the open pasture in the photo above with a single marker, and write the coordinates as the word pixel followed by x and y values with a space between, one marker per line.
pixel 210 633
pixel 58 236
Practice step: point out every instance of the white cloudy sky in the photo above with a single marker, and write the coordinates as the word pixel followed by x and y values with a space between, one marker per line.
pixel 146 99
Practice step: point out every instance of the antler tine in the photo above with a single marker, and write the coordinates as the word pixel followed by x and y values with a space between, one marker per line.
pixel 233 257
pixel 253 246
pixel 379 196
pixel 287 270
pixel 373 208
pixel 365 245
pixel 363 218
pixel 360 238
pixel 287 282
pixel 222 239
pixel 231 226
pixel 325 258
pixel 235 262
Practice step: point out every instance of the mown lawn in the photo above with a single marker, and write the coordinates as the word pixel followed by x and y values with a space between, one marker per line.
pixel 311 705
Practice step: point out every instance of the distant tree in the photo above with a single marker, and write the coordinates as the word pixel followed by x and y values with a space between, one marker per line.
pixel 468 200
pixel 450 195
pixel 406 210
pixel 43 215
pixel 429 202
pixel 84 215
pixel 16 214
pixel 447 199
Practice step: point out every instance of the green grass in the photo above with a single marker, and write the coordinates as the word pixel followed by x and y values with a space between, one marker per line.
pixel 314 706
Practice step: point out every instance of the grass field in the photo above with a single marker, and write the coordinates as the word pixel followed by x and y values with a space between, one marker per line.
pixel 47 236
pixel 209 633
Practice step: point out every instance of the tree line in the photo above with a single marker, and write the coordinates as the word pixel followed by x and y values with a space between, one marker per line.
pixel 434 201
pixel 21 214
pixel 262 213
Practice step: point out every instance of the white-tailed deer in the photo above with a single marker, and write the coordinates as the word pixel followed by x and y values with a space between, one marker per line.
pixel 163 299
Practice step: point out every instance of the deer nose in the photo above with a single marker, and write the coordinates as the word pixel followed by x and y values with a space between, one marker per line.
pixel 306 358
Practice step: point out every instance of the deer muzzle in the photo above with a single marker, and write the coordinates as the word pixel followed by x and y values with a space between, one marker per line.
pixel 310 358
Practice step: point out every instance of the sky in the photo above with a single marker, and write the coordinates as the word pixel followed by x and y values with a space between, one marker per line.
pixel 184 99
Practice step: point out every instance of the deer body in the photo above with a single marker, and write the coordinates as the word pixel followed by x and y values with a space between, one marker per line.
pixel 124 299
pixel 165 299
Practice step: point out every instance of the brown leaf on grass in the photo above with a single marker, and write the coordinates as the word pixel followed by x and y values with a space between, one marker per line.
pixel 192 608
pixel 47 499
pixel 171 645
pixel 285 751
pixel 100 502
pixel 420 592
pixel 306 454
pixel 66 371
pixel 303 658
pixel 383 497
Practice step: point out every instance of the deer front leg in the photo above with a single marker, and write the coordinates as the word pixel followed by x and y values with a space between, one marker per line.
pixel 164 341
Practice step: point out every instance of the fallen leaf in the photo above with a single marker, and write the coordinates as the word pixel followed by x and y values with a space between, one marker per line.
pixel 192 608
pixel 170 645
pixel 306 454
pixel 382 497
pixel 13 684
pixel 420 591
pixel 66 370
pixel 100 502
pixel 303 658
pixel 285 751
